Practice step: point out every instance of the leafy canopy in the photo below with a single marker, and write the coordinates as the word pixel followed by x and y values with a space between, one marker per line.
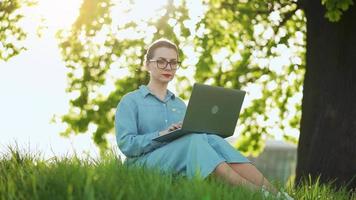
pixel 252 45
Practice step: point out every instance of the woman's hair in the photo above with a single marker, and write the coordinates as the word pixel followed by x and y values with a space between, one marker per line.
pixel 157 44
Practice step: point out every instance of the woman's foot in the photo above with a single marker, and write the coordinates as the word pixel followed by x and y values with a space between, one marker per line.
pixel 279 195
pixel 284 196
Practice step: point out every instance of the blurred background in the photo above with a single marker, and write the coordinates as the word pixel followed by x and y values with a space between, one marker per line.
pixel 66 64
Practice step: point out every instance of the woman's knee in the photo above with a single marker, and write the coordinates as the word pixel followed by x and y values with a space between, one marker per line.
pixel 215 139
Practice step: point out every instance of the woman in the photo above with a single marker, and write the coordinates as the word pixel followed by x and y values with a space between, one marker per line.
pixel 153 110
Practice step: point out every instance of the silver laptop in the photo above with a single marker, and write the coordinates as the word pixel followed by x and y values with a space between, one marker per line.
pixel 211 109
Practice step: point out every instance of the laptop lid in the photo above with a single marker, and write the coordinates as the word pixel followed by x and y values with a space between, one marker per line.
pixel 213 109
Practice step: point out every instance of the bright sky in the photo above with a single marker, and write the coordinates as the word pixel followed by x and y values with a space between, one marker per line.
pixel 32 84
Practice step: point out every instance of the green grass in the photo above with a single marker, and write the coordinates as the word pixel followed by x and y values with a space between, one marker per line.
pixel 28 176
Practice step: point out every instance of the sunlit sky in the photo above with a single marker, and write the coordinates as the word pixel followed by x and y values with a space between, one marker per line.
pixel 32 84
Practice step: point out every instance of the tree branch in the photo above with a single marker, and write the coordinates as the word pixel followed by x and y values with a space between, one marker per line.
pixel 287 16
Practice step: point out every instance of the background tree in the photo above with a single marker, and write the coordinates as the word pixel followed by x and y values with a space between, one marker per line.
pixel 253 45
pixel 243 62
pixel 91 48
pixel 328 127
pixel 11 34
pixel 262 48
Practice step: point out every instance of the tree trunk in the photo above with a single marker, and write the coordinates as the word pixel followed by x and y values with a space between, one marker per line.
pixel 327 143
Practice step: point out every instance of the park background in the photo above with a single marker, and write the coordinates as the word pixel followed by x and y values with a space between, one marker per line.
pixel 66 64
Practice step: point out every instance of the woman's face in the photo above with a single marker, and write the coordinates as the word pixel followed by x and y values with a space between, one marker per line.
pixel 164 72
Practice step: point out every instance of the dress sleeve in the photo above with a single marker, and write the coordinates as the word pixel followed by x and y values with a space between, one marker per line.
pixel 130 142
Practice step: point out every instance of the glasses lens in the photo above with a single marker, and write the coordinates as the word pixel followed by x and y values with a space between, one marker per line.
pixel 174 64
pixel 161 63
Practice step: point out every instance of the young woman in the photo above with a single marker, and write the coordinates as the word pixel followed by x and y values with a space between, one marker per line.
pixel 152 110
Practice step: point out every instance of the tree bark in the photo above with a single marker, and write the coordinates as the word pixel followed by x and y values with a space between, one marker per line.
pixel 327 143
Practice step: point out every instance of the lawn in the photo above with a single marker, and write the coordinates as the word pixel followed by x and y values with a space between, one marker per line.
pixel 28 176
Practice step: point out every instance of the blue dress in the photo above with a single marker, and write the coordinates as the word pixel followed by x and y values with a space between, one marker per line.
pixel 140 116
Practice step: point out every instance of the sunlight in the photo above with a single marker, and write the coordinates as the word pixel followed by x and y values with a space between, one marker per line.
pixel 124 12
pixel 139 12
pixel 59 14
pixel 44 55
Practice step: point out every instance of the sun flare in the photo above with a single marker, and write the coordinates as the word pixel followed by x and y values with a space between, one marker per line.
pixel 59 14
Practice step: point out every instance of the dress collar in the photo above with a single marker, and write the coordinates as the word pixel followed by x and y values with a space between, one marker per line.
pixel 145 91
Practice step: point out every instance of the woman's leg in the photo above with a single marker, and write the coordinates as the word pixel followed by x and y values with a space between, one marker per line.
pixel 252 174
pixel 225 172
pixel 242 167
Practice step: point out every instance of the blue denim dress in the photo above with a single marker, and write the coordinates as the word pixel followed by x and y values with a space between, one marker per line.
pixel 140 116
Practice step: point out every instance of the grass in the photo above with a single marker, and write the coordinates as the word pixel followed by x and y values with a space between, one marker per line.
pixel 28 176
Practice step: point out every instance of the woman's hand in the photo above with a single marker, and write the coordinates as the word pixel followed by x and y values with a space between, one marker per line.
pixel 175 126
pixel 171 128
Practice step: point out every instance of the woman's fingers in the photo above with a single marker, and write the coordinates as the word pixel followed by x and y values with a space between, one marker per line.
pixel 179 125
pixel 171 128
pixel 175 126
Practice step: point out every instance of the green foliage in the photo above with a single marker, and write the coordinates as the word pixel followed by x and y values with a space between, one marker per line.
pixel 252 35
pixel 335 8
pixel 253 45
pixel 237 45
pixel 10 32
pixel 91 48
pixel 25 175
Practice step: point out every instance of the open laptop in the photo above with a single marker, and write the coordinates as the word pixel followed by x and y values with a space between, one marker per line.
pixel 211 109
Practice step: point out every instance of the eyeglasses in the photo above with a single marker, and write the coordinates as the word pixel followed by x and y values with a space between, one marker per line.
pixel 162 64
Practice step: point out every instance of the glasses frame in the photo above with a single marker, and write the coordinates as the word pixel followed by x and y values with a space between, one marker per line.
pixel 167 62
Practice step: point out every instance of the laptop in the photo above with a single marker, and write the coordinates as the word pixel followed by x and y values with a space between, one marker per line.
pixel 211 109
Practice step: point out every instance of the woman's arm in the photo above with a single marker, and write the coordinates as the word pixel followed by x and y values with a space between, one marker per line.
pixel 129 141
